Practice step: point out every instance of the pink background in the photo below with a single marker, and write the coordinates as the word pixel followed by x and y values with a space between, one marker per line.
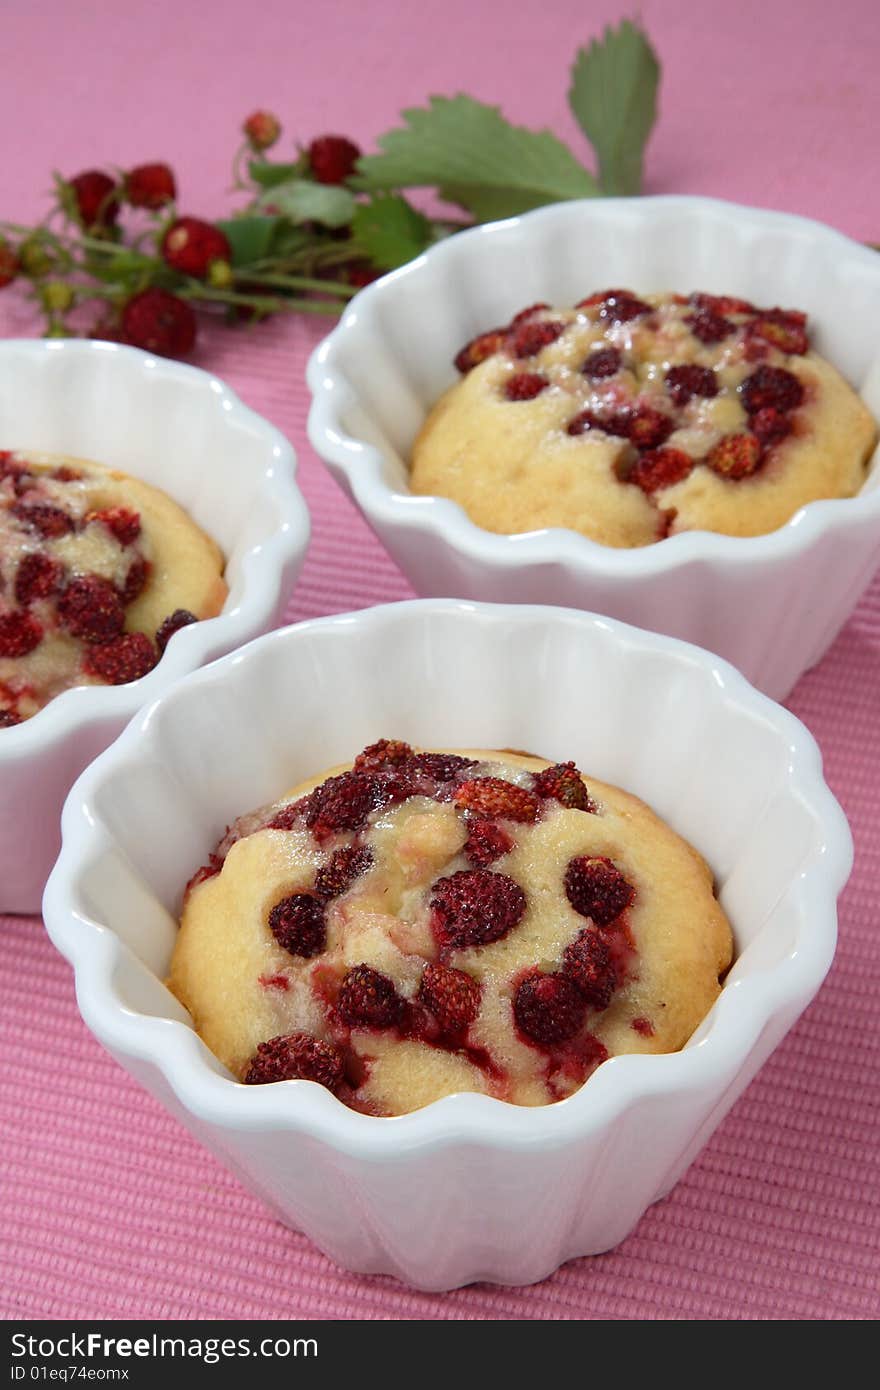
pixel 108 1208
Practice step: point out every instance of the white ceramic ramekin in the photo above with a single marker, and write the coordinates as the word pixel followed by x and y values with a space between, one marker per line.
pixel 186 432
pixel 470 1187
pixel 772 604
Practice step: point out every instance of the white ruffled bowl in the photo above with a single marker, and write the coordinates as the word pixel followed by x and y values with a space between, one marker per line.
pixel 183 431
pixel 469 1187
pixel 770 604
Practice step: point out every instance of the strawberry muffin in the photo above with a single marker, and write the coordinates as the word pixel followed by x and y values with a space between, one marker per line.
pixel 630 418
pixel 422 923
pixel 97 572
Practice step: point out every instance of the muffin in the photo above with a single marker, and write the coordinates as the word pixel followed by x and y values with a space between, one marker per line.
pixel 631 418
pixel 98 570
pixel 422 923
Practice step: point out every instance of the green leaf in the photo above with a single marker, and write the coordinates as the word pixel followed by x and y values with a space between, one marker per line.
pixel 490 167
pixel 304 201
pixel 249 237
pixel 390 231
pixel 268 174
pixel 614 98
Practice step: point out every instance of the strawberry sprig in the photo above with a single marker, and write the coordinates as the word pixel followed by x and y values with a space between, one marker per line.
pixel 115 258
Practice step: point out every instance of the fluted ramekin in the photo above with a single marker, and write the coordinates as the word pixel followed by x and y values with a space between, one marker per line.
pixel 469 1187
pixel 770 604
pixel 184 431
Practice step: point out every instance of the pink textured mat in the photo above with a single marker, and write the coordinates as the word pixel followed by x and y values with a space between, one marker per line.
pixel 107 1207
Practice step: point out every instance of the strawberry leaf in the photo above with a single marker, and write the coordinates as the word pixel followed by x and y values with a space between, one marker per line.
pixel 302 200
pixel 613 96
pixel 476 158
pixel 268 173
pixel 250 238
pixel 390 230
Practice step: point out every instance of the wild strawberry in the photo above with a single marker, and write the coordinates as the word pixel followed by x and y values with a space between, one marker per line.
pixel 659 468
pixel 342 803
pixel 262 130
pixel 452 996
pixel 290 815
pixel 643 1026
pixel 528 313
pixel 599 297
pixel 770 426
pixel 475 906
pixel 191 245
pixel 586 961
pixel 181 617
pixel 784 329
pixel 50 521
pixel 617 306
pixel 486 842
pixel 368 999
pixel 332 158
pixel 485 345
pixel 93 199
pixel 564 783
pixel 342 869
pixel 297 924
pixel 530 338
pixel 771 386
pixel 150 186
pixel 8 263
pixel 497 799
pixel 128 657
pixel 649 428
pixel 614 422
pixel 597 889
pixel 735 456
pixel 525 386
pixel 296 1057
pixel 443 767
pixel 20 633
pixel 135 580
pixel 604 362
pixel 159 322
pixel 38 576
pixel 722 304
pixel 107 330
pixel 90 609
pixel 362 273
pixel 8 719
pixel 709 327
pixel 688 380
pixel 548 1009
pixel 387 753
pixel 122 522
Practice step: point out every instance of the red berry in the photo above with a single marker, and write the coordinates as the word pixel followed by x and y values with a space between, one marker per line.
pixel 649 428
pixel 616 306
pixel 548 1009
pixel 497 799
pixel 486 842
pixel 443 767
pixel 262 130
pixel 614 422
pixel 8 719
pixel 587 962
pixel 564 783
pixel 333 158
pixel 19 634
pixel 8 263
pixel 342 869
pixel 124 523
pixel 525 386
pixel 722 304
pixel 91 609
pixel 770 426
pixel 290 815
pixel 126 658
pixel 528 313
pixel 688 380
pixel 452 996
pixel 644 1026
pixel 297 924
pixel 530 338
pixel 150 186
pixel 480 348
pixel 771 386
pixel 709 327
pixel 181 617
pixel 50 521
pixel 94 198
pixel 38 576
pixel 135 580
pixel 342 803
pixel 296 1057
pixel 368 999
pixel 362 273
pixel 735 456
pixel 191 246
pixel 659 468
pixel 385 754
pixel 784 329
pixel 597 889
pixel 159 322
pixel 602 363
pixel 476 906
